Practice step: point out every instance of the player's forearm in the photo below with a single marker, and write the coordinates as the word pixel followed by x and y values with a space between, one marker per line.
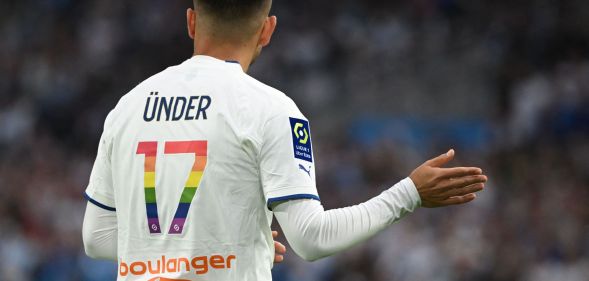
pixel 314 233
pixel 99 233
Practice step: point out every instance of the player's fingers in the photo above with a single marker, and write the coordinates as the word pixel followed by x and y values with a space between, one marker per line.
pixel 459 172
pixel 274 233
pixel 279 248
pixel 457 200
pixel 462 182
pixel 462 191
pixel 441 160
pixel 278 258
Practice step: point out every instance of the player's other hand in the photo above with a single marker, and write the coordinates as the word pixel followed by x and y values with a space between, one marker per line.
pixel 440 187
pixel 279 249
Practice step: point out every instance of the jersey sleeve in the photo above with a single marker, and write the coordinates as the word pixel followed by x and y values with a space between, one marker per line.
pixel 286 158
pixel 100 189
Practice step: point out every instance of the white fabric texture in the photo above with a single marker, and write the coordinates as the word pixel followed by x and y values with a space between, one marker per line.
pixel 99 233
pixel 314 233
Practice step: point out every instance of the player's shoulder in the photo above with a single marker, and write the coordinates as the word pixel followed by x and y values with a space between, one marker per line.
pixel 272 100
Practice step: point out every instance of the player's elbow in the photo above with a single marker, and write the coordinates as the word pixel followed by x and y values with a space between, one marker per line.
pixel 310 256
pixel 91 248
pixel 90 252
pixel 309 251
pixel 95 250
pixel 313 255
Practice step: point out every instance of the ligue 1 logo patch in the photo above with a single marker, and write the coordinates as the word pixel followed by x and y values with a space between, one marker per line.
pixel 301 139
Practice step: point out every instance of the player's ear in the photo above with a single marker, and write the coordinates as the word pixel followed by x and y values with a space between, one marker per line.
pixel 191 22
pixel 267 31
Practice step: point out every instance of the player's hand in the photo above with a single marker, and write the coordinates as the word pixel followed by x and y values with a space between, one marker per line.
pixel 279 249
pixel 439 187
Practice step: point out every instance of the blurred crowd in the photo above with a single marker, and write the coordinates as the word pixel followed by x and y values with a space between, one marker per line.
pixel 385 84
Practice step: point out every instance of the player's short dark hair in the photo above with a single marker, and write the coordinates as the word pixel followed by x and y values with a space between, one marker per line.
pixel 232 10
pixel 232 20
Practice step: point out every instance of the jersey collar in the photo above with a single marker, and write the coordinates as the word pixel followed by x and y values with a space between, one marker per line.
pixel 207 60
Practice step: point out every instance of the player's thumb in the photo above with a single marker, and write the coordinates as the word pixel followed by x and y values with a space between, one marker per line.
pixel 442 159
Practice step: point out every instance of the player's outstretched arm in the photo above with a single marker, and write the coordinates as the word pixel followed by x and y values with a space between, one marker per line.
pixel 314 233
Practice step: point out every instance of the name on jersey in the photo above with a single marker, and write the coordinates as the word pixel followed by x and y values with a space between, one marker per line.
pixel 301 139
pixel 160 108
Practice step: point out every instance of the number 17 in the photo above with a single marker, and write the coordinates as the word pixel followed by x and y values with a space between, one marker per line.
pixel 149 149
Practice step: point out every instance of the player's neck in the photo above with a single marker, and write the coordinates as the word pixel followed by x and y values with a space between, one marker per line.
pixel 227 53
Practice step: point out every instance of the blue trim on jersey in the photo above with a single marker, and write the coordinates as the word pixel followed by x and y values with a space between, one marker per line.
pixel 232 61
pixel 98 203
pixel 292 197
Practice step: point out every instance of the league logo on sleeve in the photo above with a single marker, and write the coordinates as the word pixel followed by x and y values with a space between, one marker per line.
pixel 301 139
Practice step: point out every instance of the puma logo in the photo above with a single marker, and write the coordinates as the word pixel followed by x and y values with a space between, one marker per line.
pixel 308 171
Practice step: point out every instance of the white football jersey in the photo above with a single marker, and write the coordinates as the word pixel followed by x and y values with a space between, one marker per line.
pixel 191 160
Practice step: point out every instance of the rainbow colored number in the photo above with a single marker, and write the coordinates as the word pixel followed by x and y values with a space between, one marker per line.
pixel 149 149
